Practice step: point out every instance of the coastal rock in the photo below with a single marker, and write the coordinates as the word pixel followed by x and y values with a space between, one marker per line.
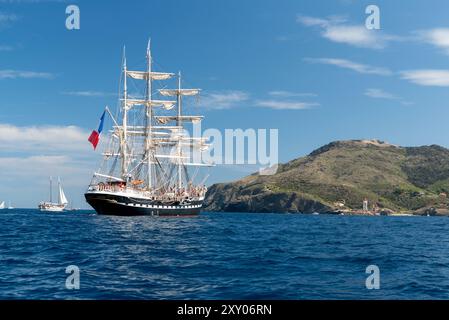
pixel 229 198
pixel 431 211
pixel 386 212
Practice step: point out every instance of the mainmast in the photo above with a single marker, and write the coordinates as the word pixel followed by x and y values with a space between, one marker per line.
pixel 51 182
pixel 123 140
pixel 149 116
pixel 179 124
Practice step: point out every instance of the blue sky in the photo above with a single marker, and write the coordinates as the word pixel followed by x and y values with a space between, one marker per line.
pixel 307 68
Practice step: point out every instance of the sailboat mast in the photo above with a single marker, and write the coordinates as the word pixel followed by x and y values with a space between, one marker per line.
pixel 149 115
pixel 59 190
pixel 124 120
pixel 51 182
pixel 178 123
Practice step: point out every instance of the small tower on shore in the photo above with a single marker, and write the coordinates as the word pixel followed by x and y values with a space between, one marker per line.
pixel 365 204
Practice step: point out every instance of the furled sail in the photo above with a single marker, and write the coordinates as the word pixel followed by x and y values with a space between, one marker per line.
pixel 167 105
pixel 167 119
pixel 201 146
pixel 142 75
pixel 182 92
pixel 145 133
pixel 198 164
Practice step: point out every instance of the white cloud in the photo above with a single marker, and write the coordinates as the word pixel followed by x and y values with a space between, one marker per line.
pixel 427 77
pixel 229 99
pixel 89 93
pixel 289 94
pixel 335 29
pixel 379 94
pixel 382 94
pixel 223 99
pixel 16 74
pixel 43 139
pixel 320 22
pixel 438 37
pixel 42 166
pixel 285 105
pixel 312 21
pixel 357 36
pixel 358 67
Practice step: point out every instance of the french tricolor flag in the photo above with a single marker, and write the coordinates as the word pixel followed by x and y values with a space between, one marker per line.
pixel 94 137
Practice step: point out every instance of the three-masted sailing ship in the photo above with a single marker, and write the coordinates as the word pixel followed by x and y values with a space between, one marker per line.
pixel 147 165
pixel 52 206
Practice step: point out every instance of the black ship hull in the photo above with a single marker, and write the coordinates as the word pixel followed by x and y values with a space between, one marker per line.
pixel 121 205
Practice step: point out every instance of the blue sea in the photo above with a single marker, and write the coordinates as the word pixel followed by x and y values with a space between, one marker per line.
pixel 222 256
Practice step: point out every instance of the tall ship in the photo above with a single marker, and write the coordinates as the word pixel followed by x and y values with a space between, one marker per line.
pixel 147 166
pixel 55 206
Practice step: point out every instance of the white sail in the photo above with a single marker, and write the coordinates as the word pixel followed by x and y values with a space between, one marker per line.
pixel 62 197
pixel 182 92
pixel 167 119
pixel 143 75
pixel 2 205
pixel 168 105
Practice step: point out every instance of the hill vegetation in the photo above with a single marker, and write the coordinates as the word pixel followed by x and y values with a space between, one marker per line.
pixel 339 176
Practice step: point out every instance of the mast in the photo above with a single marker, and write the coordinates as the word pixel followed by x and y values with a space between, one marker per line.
pixel 124 120
pixel 178 123
pixel 179 119
pixel 59 190
pixel 51 200
pixel 149 116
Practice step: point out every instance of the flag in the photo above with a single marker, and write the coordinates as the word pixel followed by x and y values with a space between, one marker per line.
pixel 94 137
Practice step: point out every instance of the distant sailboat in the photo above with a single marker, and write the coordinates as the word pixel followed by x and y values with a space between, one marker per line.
pixel 55 207
pixel 2 205
pixel 10 207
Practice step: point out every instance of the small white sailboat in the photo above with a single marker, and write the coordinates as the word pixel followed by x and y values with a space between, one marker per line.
pixel 55 207
pixel 10 207
pixel 2 205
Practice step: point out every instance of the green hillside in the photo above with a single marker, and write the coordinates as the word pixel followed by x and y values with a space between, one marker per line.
pixel 402 179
